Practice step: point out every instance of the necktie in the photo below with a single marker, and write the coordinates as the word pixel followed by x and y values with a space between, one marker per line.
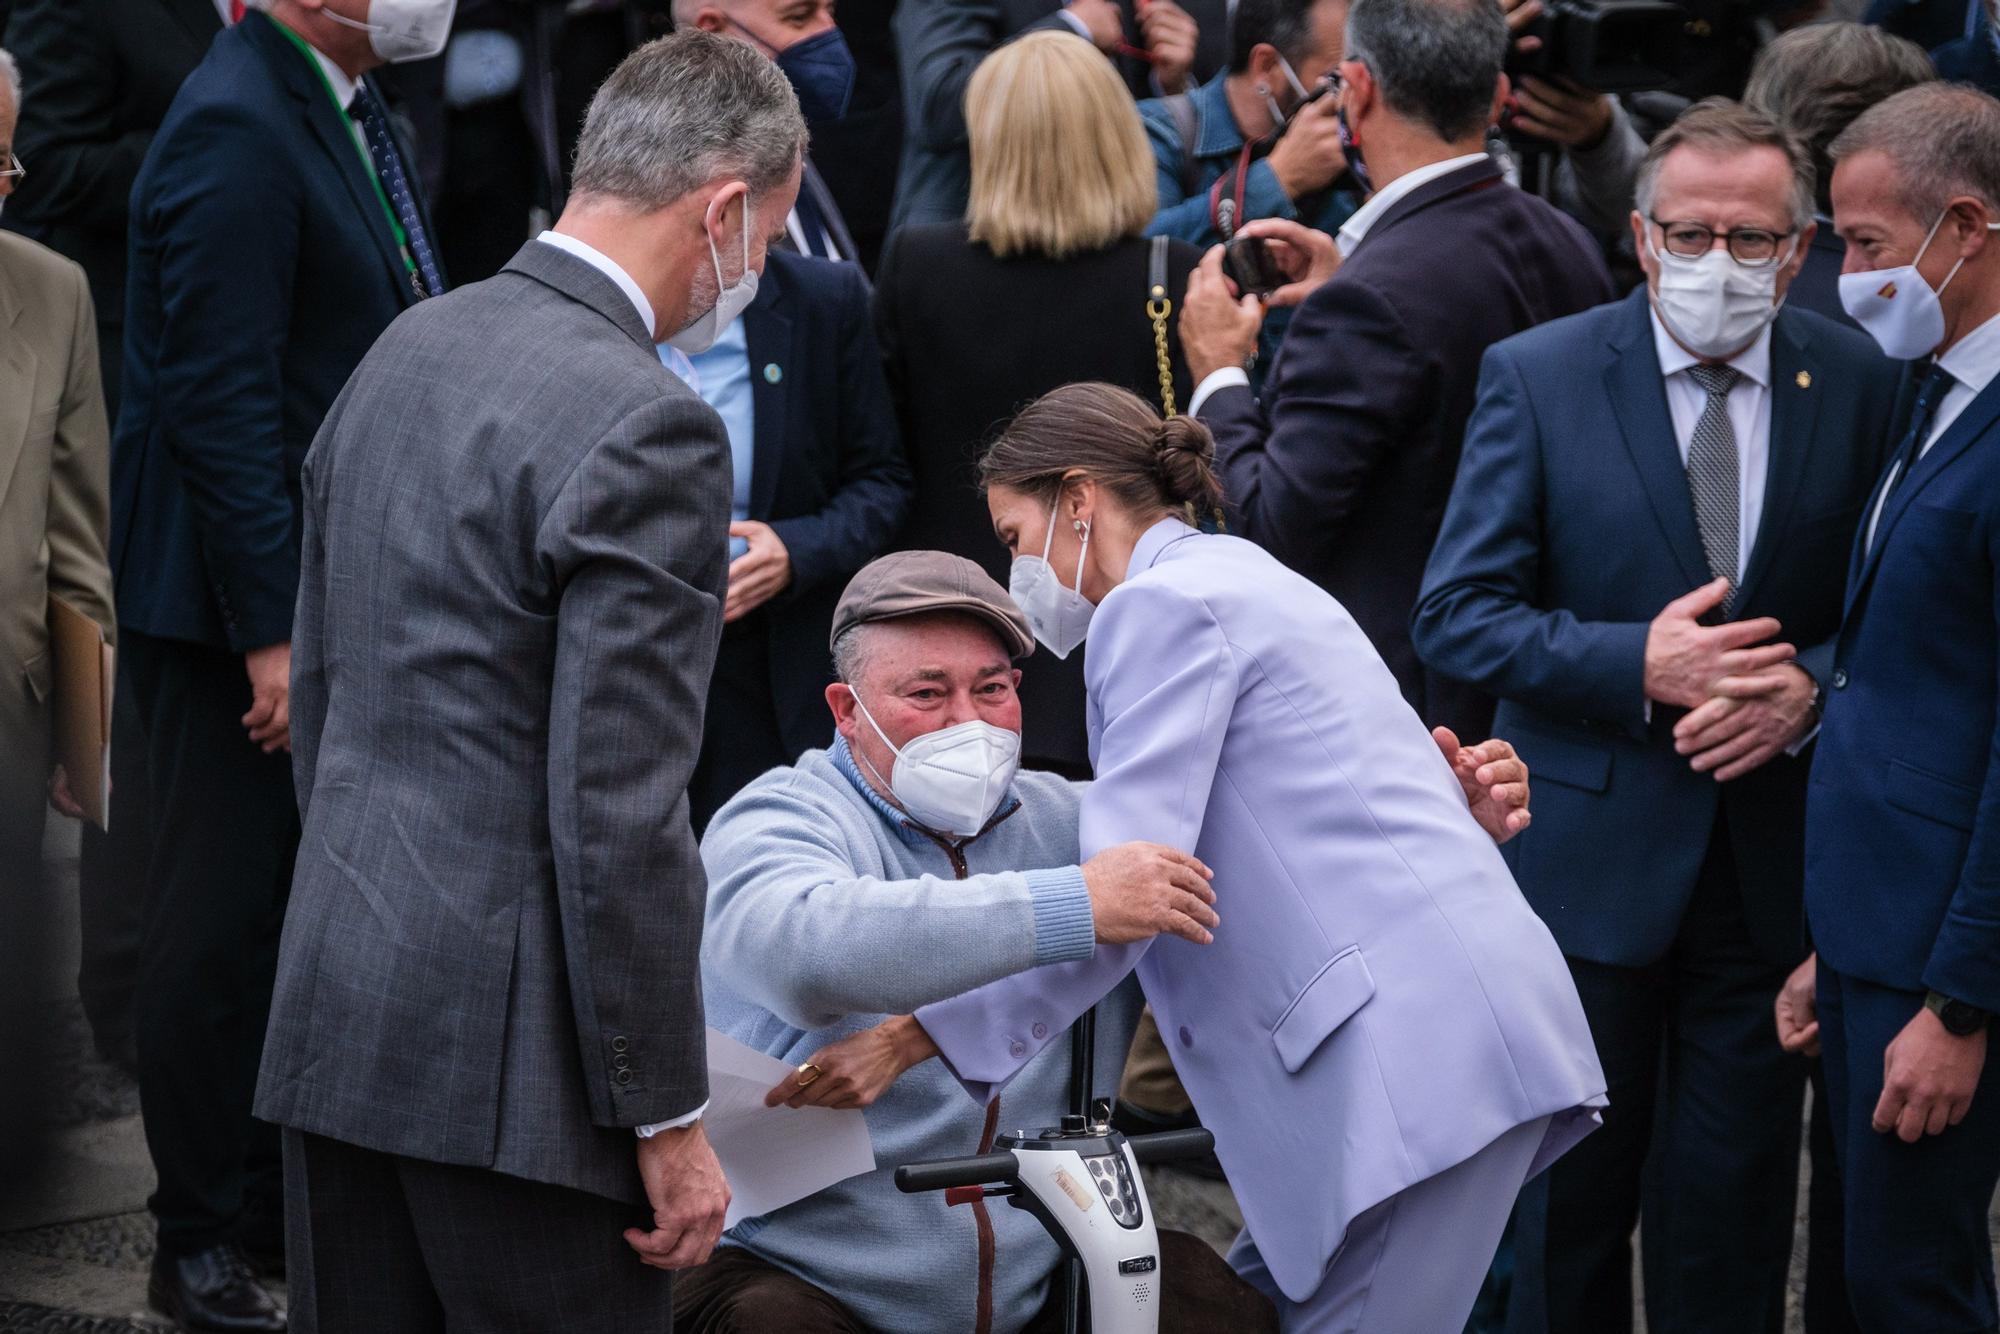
pixel 1922 412
pixel 1713 479
pixel 813 226
pixel 374 122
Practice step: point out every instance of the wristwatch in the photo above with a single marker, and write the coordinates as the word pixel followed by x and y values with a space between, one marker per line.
pixel 1959 1019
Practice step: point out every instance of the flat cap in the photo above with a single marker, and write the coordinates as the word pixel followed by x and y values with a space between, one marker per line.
pixel 910 583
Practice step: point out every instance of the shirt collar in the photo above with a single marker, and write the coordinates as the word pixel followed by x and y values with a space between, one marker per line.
pixel 336 79
pixel 1154 542
pixel 610 268
pixel 1355 229
pixel 1975 359
pixel 1752 363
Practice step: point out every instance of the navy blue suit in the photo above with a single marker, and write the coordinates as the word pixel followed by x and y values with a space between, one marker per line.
pixel 828 474
pixel 262 267
pixel 1677 900
pixel 1903 871
pixel 1342 468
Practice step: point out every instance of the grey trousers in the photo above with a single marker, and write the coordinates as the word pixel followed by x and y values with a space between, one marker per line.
pixel 1413 1263
pixel 380 1244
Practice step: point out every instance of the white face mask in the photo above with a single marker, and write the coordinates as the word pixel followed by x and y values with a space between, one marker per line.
pixel 730 302
pixel 1059 617
pixel 1713 306
pixel 952 780
pixel 1897 307
pixel 402 30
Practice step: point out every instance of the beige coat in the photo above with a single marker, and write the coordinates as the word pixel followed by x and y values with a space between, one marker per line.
pixel 55 460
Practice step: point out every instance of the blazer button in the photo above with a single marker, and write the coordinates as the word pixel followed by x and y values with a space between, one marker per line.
pixel 1187 1038
pixel 1017 1049
pixel 620 1044
pixel 1840 678
pixel 624 1076
pixel 621 1063
pixel 1040 1031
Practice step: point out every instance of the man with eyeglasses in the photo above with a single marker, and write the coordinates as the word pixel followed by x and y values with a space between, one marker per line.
pixel 1643 558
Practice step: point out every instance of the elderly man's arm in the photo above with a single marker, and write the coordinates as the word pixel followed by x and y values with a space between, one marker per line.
pixel 799 930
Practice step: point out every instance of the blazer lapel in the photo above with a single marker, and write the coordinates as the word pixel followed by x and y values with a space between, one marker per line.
pixel 776 362
pixel 1794 414
pixel 1978 417
pixel 17 382
pixel 1639 398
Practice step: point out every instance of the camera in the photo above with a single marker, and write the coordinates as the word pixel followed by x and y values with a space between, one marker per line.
pixel 1247 262
pixel 1612 46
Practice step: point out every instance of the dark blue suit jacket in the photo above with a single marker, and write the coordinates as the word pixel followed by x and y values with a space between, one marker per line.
pixel 828 473
pixel 1903 820
pixel 1342 469
pixel 1571 526
pixel 262 268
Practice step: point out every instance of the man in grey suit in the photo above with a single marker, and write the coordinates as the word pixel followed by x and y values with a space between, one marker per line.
pixel 509 607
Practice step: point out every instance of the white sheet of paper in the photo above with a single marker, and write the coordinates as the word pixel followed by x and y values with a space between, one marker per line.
pixel 774 1155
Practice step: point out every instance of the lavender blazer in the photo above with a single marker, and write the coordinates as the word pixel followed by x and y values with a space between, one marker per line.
pixel 1380 1003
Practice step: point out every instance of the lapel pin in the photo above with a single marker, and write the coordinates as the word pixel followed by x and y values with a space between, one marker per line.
pixel 1804 380
pixel 771 373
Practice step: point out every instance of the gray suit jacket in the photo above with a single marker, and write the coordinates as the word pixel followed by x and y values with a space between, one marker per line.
pixel 515 529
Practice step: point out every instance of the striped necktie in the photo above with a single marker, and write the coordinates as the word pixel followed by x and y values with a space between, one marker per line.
pixel 1714 480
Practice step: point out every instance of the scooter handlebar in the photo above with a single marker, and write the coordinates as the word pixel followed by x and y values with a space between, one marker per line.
pixel 988 1169
pixel 1170 1145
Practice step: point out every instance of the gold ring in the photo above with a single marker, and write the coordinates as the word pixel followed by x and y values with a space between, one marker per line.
pixel 807 1073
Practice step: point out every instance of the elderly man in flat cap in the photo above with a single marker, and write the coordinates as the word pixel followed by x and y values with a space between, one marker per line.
pixel 906 864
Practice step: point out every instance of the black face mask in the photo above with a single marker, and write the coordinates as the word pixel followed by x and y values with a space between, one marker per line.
pixel 1352 152
pixel 821 69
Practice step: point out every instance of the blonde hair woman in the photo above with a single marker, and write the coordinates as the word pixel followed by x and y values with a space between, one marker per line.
pixel 1046 282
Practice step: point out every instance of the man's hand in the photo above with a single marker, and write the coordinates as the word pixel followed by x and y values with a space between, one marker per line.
pixel 1308 156
pixel 1218 328
pixel 1306 256
pixel 1106 24
pixel 1798 1017
pixel 759 574
pixel 1170 34
pixel 1748 723
pixel 1928 1078
pixel 1685 659
pixel 1138 890
pixel 1561 111
pixel 61 797
pixel 1495 780
pixel 1521 15
pixel 269 721
pixel 685 1186
pixel 855 1071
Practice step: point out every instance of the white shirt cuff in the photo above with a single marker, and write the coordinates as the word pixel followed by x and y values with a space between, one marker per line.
pixel 1215 380
pixel 1803 740
pixel 647 1132
pixel 1082 28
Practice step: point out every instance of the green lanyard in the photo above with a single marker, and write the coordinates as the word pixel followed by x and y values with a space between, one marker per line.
pixel 367 161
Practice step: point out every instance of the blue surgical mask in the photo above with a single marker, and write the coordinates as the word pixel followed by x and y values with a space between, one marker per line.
pixel 821 69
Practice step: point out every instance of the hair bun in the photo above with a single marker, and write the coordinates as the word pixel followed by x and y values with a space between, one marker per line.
pixel 1184 457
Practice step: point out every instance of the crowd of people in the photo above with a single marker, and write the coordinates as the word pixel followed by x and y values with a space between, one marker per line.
pixel 569 487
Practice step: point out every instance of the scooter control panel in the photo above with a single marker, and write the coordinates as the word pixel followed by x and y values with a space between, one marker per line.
pixel 1112 1174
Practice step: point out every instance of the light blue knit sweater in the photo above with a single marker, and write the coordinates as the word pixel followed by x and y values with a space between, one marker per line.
pixel 826 914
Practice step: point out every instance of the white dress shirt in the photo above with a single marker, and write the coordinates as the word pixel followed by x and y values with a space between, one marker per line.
pixel 1346 239
pixel 1973 361
pixel 613 270
pixel 610 268
pixel 1749 420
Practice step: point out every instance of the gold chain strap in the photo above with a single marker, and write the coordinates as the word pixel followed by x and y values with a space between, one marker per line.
pixel 1157 309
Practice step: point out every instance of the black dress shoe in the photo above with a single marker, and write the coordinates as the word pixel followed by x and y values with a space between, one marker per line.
pixel 213 1290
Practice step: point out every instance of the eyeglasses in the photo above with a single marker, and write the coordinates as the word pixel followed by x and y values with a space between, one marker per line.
pixel 13 172
pixel 1747 245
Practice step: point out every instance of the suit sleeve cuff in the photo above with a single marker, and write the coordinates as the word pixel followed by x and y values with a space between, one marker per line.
pixel 1064 928
pixel 647 1132
pixel 1214 380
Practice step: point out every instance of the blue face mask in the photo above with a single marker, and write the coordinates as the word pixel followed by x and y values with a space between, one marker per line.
pixel 821 69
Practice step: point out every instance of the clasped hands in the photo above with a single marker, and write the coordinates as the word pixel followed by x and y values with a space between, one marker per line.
pixel 1747 698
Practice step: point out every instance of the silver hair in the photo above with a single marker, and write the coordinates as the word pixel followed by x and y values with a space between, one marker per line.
pixel 682 111
pixel 1720 125
pixel 1438 61
pixel 850 654
pixel 1944 140
pixel 10 72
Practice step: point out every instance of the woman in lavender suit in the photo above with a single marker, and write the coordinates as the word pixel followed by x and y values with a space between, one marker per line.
pixel 1382 1035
